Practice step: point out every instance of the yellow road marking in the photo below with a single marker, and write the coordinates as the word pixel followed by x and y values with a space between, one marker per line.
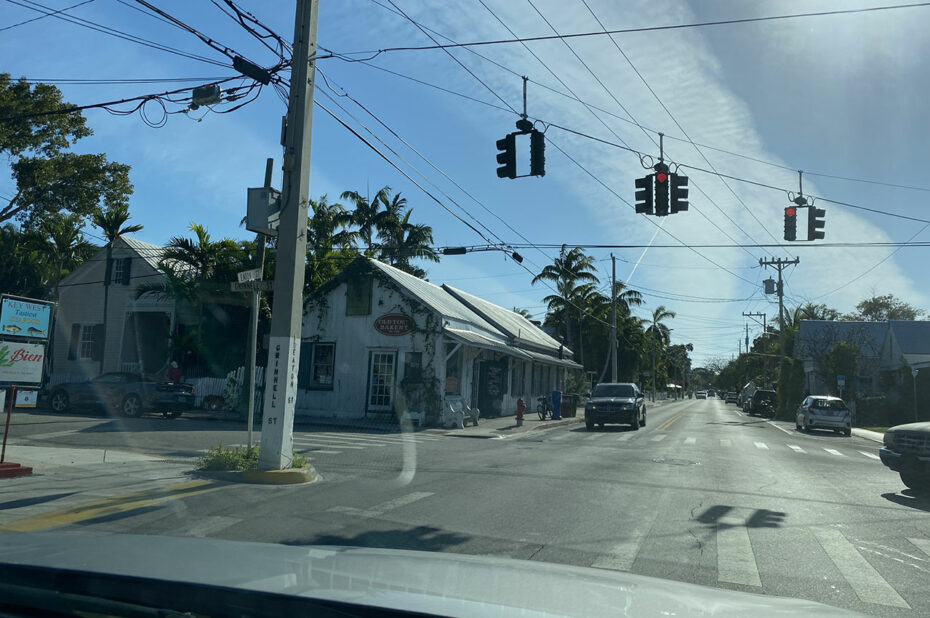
pixel 668 423
pixel 109 506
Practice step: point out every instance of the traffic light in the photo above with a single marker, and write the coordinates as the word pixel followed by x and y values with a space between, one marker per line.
pixel 508 157
pixel 815 223
pixel 791 223
pixel 644 195
pixel 661 199
pixel 679 193
pixel 537 153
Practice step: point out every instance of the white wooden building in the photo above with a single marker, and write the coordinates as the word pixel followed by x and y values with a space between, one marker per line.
pixel 378 342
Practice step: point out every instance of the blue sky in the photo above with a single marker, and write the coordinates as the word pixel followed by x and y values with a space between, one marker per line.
pixel 837 95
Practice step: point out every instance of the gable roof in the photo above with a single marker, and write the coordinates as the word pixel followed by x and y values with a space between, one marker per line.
pixel 816 337
pixel 523 332
pixel 147 251
pixel 913 337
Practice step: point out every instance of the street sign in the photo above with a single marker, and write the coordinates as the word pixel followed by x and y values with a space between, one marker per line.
pixel 254 274
pixel 914 372
pixel 841 381
pixel 252 286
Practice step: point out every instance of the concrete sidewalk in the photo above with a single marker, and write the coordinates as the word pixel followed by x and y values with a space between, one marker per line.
pixel 869 435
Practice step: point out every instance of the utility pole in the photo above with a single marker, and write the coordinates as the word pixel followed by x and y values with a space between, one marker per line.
pixel 613 319
pixel 283 354
pixel 779 264
pixel 765 359
pixel 260 240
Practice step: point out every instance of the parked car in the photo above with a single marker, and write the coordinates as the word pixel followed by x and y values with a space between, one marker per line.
pixel 615 402
pixel 907 452
pixel 761 402
pixel 711 393
pixel 823 412
pixel 731 398
pixel 128 394
pixel 700 395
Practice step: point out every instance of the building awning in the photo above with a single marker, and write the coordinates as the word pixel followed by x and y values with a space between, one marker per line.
pixel 478 340
pixel 552 360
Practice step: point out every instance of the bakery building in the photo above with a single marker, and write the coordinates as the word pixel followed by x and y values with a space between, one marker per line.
pixel 378 343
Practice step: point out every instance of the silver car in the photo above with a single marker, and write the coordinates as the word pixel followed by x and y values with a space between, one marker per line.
pixel 823 412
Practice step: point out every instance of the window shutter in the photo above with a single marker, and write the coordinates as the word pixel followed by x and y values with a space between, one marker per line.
pixel 127 269
pixel 99 342
pixel 75 340
pixel 304 369
pixel 108 274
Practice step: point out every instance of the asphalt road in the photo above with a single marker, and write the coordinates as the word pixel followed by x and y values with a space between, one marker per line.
pixel 702 494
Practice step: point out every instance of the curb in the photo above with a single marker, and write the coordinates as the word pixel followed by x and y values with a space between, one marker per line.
pixel 294 476
pixel 874 436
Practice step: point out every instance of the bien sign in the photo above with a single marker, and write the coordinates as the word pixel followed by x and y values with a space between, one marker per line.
pixel 393 324
pixel 21 363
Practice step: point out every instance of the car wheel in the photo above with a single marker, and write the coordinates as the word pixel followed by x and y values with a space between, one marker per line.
pixel 589 425
pixel 797 425
pixel 635 425
pixel 131 406
pixel 847 432
pixel 60 401
pixel 915 480
pixel 172 413
pixel 642 423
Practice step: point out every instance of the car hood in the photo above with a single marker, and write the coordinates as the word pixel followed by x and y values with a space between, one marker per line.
pixel 922 426
pixel 612 400
pixel 437 583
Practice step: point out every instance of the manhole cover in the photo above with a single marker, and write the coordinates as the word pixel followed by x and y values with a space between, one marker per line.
pixel 675 462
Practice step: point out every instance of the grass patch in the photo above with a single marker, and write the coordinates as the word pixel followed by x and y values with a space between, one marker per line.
pixel 239 458
pixel 878 429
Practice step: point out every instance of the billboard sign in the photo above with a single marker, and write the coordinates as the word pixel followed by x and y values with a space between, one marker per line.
pixel 24 318
pixel 21 363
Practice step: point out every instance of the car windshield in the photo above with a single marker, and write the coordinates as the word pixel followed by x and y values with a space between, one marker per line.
pixel 465 278
pixel 613 390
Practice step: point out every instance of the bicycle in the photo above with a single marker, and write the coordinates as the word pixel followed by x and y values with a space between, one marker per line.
pixel 544 407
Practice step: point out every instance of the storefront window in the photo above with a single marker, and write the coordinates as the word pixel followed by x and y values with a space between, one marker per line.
pixel 322 360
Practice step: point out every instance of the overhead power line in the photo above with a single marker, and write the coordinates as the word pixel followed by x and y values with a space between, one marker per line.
pixel 29 21
pixel 720 22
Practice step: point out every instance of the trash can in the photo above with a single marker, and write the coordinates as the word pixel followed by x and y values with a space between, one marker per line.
pixel 556 404
pixel 568 404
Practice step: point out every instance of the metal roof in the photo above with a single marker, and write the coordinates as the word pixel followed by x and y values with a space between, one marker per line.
pixel 816 337
pixel 913 337
pixel 522 331
pixel 147 251
pixel 480 341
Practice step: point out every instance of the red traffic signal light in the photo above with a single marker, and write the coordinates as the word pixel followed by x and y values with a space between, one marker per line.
pixel 661 177
pixel 791 223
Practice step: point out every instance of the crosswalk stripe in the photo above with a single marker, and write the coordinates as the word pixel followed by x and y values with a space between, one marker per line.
pixel 736 562
pixel 690 440
pixel 343 437
pixel 624 437
pixel 659 437
pixel 796 448
pixel 593 436
pixel 862 577
pixel 725 442
pixel 833 451
pixel 871 455
pixel 384 507
pixel 921 544
pixel 329 444
pixel 323 452
pixel 761 445
pixel 340 442
pixel 561 436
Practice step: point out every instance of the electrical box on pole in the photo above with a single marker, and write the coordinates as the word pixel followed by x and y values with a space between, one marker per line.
pixel 263 210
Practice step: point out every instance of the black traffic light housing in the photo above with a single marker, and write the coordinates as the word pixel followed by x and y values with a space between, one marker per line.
pixel 644 195
pixel 507 157
pixel 815 223
pixel 537 153
pixel 662 189
pixel 679 193
pixel 791 223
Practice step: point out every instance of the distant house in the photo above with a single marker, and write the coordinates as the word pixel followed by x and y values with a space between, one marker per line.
pixel 377 341
pixel 906 344
pixel 136 334
pixel 815 339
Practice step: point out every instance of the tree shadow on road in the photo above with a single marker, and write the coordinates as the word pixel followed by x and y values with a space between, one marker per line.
pixel 910 498
pixel 422 538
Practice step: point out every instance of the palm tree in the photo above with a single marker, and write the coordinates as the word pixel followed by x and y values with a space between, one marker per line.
pixel 64 245
pixel 365 213
pixel 568 271
pixel 112 222
pixel 403 241
pixel 660 334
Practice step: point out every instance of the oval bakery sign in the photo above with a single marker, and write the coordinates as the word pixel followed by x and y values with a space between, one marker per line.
pixel 393 324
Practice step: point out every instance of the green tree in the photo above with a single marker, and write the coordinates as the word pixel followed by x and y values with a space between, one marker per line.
pixel 884 308
pixel 524 312
pixel 402 241
pixel 659 336
pixel 330 242
pixel 366 214
pixel 48 178
pixel 64 247
pixel 841 360
pixel 571 269
pixel 112 223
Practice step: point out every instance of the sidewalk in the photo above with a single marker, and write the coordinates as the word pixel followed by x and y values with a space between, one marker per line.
pixel 874 436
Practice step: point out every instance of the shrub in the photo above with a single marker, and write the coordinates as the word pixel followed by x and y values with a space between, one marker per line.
pixel 239 458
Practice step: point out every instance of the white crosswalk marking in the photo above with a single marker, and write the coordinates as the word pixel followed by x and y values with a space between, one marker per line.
pixel 870 455
pixel 625 437
pixel 593 436
pixel 862 577
pixel 796 448
pixel 207 525
pixel 725 442
pixel 322 452
pixel 659 437
pixel 690 440
pixel 561 436
pixel 384 507
pixel 761 445
pixel 833 451
pixel 736 562
pixel 921 544
pixel 339 440
pixel 326 444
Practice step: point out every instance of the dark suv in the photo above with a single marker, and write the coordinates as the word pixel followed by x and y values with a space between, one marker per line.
pixel 907 452
pixel 615 402
pixel 762 402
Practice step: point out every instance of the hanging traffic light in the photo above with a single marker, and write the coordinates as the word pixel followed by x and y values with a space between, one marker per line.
pixel 644 195
pixel 661 195
pixel 791 223
pixel 507 157
pixel 815 223
pixel 679 193
pixel 537 153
